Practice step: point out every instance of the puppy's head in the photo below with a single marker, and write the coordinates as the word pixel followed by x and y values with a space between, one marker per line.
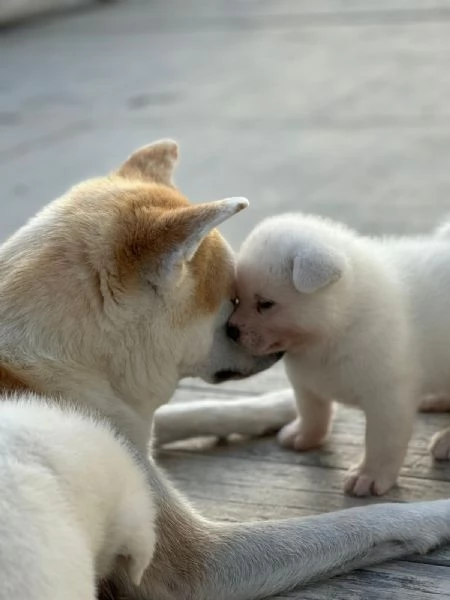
pixel 125 275
pixel 290 274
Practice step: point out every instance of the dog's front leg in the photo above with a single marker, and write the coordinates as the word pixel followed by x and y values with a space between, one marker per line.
pixel 389 420
pixel 252 416
pixel 199 560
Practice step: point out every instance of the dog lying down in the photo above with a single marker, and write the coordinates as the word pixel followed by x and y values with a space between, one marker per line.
pixel 363 321
pixel 75 503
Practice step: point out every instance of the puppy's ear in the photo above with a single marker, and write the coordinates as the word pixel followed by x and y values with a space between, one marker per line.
pixel 186 228
pixel 152 163
pixel 315 267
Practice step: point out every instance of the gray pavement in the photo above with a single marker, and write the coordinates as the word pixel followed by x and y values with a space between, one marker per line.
pixel 337 107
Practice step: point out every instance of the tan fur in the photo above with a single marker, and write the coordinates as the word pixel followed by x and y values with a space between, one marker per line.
pixel 151 163
pixel 111 230
pixel 153 220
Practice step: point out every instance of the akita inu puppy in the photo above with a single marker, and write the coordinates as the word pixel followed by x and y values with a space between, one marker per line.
pixel 110 296
pixel 364 321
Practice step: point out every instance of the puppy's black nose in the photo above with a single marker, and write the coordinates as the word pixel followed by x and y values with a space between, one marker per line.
pixel 233 332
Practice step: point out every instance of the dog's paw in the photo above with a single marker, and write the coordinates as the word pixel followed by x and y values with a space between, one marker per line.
pixel 440 445
pixel 363 482
pixel 293 436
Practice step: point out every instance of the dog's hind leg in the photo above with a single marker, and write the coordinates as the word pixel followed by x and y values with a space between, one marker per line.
pixel 197 559
pixel 252 416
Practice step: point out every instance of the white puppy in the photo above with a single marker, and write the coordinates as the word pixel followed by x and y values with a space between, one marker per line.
pixel 363 321
pixel 74 502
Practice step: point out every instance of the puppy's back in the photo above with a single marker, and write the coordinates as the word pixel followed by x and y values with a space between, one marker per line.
pixel 423 268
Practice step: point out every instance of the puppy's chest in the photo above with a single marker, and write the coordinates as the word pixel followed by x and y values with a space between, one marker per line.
pixel 330 379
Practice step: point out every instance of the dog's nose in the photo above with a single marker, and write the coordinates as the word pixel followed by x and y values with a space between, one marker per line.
pixel 233 332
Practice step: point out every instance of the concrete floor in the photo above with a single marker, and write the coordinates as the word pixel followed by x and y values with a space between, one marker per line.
pixel 336 107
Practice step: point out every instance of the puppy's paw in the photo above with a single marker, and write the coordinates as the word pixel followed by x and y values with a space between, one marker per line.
pixel 295 437
pixel 361 481
pixel 440 445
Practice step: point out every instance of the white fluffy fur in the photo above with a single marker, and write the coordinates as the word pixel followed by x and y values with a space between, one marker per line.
pixel 73 502
pixel 364 321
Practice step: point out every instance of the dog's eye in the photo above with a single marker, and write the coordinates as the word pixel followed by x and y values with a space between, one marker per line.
pixel 264 305
pixel 235 301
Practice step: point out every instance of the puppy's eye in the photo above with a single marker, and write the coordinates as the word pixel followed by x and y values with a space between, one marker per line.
pixel 264 305
pixel 235 301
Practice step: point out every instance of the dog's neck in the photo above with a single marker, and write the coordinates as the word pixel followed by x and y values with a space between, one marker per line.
pixel 129 407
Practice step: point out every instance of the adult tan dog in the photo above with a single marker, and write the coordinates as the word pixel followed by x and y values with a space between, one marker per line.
pixel 109 297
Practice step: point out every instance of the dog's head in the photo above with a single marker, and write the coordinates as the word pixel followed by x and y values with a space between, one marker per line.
pixel 291 281
pixel 125 275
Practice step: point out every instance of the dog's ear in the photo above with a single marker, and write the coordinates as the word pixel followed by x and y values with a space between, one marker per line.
pixel 186 228
pixel 316 266
pixel 152 163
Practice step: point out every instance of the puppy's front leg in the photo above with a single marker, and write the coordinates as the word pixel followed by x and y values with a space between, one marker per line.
pixel 310 429
pixel 388 429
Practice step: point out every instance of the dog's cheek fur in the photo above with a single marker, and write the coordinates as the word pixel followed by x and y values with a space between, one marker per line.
pixel 213 272
pixel 139 242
